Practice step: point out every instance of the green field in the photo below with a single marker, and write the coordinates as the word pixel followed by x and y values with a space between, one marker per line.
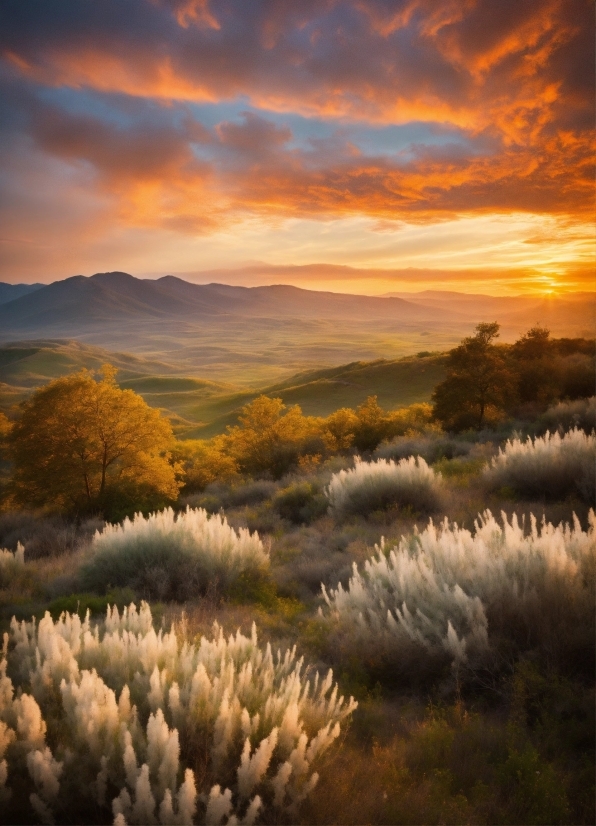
pixel 202 408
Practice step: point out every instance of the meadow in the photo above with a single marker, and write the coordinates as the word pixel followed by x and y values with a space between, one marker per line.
pixel 360 617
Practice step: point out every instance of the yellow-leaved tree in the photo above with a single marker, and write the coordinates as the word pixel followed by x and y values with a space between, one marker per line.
pixel 204 462
pixel 83 445
pixel 271 440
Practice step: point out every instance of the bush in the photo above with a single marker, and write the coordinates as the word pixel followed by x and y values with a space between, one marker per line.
pixel 173 557
pixel 431 448
pixel 122 722
pixel 565 416
pixel 300 503
pixel 552 466
pixel 371 486
pixel 45 536
pixel 446 594
pixel 10 564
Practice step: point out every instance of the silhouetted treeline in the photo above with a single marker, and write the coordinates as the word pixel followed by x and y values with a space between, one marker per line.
pixel 488 382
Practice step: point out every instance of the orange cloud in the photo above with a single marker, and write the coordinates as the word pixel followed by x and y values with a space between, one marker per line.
pixel 508 79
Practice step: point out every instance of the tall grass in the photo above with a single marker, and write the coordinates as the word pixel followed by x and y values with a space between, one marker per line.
pixel 117 721
pixel 580 413
pixel 431 447
pixel 173 556
pixel 11 564
pixel 447 594
pixel 551 466
pixel 371 486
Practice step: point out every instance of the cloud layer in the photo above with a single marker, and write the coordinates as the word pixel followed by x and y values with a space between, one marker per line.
pixel 191 117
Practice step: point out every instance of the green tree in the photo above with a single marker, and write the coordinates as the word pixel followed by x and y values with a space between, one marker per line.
pixel 83 445
pixel 478 386
pixel 537 368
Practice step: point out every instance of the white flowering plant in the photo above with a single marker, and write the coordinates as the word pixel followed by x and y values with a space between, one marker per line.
pixel 173 556
pixel 552 466
pixel 446 594
pixel 11 564
pixel 114 721
pixel 370 486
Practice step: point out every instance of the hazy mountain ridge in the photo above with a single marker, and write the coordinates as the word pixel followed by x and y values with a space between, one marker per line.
pixel 8 292
pixel 261 336
pixel 116 295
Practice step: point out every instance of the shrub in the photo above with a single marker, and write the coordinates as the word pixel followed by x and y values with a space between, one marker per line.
pixel 204 462
pixel 269 440
pixel 45 536
pixel 552 466
pixel 371 486
pixel 300 503
pixel 446 594
pixel 567 415
pixel 172 556
pixel 10 564
pixel 431 448
pixel 7 558
pixel 149 728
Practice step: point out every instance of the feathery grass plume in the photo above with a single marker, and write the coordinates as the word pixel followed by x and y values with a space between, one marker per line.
pixel 580 413
pixel 553 466
pixel 431 447
pixel 169 556
pixel 446 594
pixel 371 486
pixel 11 564
pixel 150 728
pixel 8 558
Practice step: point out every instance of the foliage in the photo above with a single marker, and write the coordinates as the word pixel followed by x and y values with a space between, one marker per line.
pixel 8 558
pixel 537 376
pixel 445 594
pixel 301 503
pixel 10 563
pixel 339 430
pixel 82 445
pixel 370 486
pixel 552 466
pixel 46 535
pixel 269 440
pixel 204 462
pixel 171 556
pixel 460 763
pixel 374 425
pixel 432 447
pixel 580 413
pixel 150 728
pixel 478 384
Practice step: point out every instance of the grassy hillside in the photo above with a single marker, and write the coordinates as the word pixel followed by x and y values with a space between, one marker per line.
pixel 397 383
pixel 203 408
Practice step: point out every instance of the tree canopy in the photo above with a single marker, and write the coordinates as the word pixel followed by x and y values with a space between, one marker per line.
pixel 83 445
pixel 478 384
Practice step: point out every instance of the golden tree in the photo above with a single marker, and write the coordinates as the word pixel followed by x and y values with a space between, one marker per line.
pixel 204 462
pixel 83 445
pixel 269 440
pixel 339 429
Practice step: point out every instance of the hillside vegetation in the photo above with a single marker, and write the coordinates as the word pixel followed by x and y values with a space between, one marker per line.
pixel 203 408
pixel 366 615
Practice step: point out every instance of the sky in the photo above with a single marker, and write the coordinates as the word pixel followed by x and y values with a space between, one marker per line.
pixel 363 146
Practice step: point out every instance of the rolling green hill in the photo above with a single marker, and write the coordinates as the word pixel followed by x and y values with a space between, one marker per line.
pixel 397 383
pixel 201 408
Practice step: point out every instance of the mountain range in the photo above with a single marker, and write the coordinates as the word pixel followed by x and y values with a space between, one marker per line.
pixel 257 335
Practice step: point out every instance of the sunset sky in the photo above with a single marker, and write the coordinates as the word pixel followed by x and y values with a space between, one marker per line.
pixel 352 145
